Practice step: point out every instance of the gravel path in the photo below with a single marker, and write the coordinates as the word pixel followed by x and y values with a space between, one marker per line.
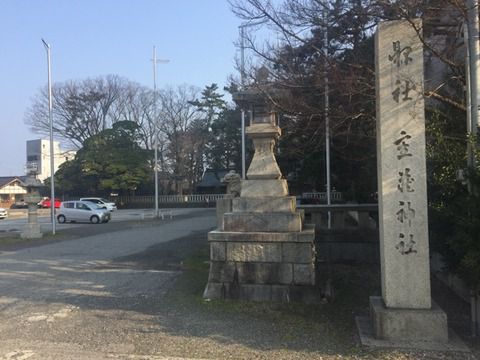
pixel 136 294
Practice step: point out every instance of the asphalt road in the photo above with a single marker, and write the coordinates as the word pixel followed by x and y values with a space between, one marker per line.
pixel 15 224
pixel 72 300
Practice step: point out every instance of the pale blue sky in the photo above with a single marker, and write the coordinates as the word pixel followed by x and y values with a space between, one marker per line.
pixel 98 37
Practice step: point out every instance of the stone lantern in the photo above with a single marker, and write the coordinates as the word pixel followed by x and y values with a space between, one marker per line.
pixel 32 229
pixel 262 251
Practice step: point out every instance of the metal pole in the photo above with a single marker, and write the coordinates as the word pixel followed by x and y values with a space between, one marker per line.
pixel 155 127
pixel 50 119
pixel 327 120
pixel 243 145
pixel 471 73
pixel 474 48
pixel 468 99
pixel 242 81
pixel 155 123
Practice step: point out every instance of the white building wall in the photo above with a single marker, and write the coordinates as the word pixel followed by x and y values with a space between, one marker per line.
pixel 38 155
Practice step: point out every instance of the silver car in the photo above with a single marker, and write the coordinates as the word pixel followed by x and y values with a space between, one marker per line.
pixel 82 211
pixel 3 213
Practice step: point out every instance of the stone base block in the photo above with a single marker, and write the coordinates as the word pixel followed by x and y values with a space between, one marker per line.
pixel 263 188
pixel 264 204
pixel 261 292
pixel 261 273
pixel 31 231
pixel 408 324
pixel 292 253
pixel 223 206
pixel 367 338
pixel 262 222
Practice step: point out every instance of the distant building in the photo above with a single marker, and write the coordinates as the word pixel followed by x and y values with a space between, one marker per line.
pixel 211 182
pixel 12 190
pixel 38 157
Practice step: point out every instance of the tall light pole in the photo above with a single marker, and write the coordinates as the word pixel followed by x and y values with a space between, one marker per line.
pixel 242 81
pixel 474 52
pixel 326 111
pixel 50 119
pixel 155 122
pixel 472 71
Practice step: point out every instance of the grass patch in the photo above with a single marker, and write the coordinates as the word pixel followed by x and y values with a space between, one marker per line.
pixel 324 330
pixel 351 298
pixel 14 241
pixel 296 325
pixel 191 284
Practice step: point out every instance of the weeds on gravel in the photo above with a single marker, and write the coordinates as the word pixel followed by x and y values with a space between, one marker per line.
pixel 15 239
pixel 325 329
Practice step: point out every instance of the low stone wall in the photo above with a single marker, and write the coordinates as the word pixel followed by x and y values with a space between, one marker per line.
pixel 22 213
pixel 348 246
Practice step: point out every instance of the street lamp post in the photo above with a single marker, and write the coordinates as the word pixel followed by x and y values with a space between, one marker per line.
pixel 155 122
pixel 327 119
pixel 242 82
pixel 50 118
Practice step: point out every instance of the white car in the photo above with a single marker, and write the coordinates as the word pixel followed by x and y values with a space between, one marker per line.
pixel 3 213
pixel 82 211
pixel 110 206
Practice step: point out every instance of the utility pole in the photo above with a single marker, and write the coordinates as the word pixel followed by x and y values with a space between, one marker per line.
pixel 473 121
pixel 242 82
pixel 50 119
pixel 155 123
pixel 326 112
pixel 474 52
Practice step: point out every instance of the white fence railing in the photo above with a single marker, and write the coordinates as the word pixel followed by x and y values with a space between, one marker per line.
pixel 196 198
pixel 169 199
pixel 205 199
pixel 334 195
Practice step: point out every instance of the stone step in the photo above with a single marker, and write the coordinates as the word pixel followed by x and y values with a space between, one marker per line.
pixel 306 235
pixel 266 204
pixel 262 222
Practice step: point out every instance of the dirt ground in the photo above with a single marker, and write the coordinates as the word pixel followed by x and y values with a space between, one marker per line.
pixel 282 331
pixel 179 324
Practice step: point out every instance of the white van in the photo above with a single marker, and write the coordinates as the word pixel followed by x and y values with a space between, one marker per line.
pixel 101 202
pixel 82 211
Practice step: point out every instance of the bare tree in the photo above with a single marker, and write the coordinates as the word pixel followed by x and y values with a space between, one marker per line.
pixel 296 62
pixel 83 108
pixel 300 25
pixel 176 118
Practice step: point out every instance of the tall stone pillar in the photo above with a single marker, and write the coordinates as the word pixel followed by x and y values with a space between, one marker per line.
pixel 405 311
pixel 263 252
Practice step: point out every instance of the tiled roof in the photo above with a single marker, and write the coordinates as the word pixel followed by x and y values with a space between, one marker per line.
pixel 212 178
pixel 4 180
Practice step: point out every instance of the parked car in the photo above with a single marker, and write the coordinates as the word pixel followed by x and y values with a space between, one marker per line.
pixel 109 205
pixel 46 203
pixel 3 213
pixel 82 211
pixel 19 205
